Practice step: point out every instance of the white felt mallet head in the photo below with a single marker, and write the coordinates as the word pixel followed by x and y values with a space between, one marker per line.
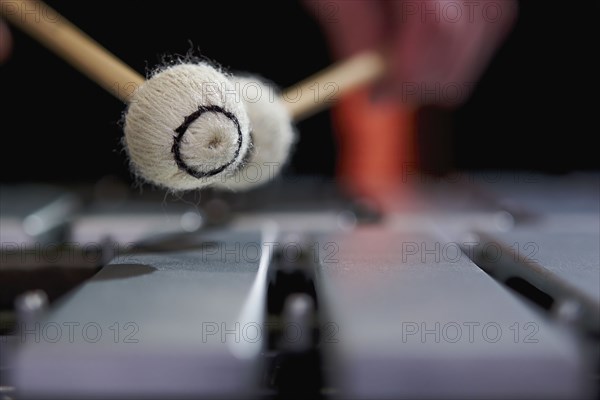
pixel 272 134
pixel 185 129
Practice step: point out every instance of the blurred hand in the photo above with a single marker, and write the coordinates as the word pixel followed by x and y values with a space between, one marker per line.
pixel 436 49
pixel 5 41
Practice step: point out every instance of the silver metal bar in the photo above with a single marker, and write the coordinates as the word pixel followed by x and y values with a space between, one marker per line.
pixel 410 316
pixel 153 325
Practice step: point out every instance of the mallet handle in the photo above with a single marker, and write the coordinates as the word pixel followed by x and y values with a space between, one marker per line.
pixel 71 44
pixel 86 55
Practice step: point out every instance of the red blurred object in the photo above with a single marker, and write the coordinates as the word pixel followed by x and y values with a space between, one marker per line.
pixel 376 144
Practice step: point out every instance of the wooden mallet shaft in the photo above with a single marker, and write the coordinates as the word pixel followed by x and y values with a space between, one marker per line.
pixel 71 44
pixel 87 56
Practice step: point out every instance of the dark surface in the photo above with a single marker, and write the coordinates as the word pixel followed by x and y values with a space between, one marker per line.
pixel 531 109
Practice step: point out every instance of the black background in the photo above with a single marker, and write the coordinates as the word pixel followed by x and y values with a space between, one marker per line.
pixel 534 109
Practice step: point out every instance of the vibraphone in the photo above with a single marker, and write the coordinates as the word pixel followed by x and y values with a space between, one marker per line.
pixel 477 286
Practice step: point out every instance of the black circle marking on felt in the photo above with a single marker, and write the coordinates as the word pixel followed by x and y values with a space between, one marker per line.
pixel 175 149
